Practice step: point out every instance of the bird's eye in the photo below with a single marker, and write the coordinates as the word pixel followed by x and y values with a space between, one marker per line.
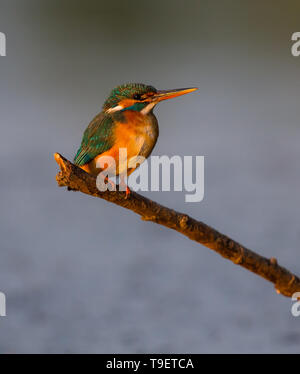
pixel 137 97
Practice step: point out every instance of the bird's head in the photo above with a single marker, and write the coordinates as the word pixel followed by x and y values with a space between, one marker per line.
pixel 139 97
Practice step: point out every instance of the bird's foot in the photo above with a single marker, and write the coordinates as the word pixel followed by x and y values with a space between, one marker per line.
pixel 124 187
pixel 127 192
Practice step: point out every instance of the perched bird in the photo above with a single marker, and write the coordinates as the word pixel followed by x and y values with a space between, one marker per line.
pixel 126 121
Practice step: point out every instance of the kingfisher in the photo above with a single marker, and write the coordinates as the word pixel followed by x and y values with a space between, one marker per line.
pixel 126 121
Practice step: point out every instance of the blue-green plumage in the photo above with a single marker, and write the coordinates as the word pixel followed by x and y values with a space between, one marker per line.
pixel 137 107
pixel 97 138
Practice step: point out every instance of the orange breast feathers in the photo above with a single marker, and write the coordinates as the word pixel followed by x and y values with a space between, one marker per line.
pixel 131 136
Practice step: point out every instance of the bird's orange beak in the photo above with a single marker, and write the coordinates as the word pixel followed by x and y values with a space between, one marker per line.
pixel 170 94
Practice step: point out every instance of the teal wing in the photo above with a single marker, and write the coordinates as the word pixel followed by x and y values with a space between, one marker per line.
pixel 97 138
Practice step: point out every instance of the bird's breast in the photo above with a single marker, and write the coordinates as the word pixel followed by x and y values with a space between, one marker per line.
pixel 138 134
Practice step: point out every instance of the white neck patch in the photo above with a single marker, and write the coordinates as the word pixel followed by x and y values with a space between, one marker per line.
pixel 144 111
pixel 115 109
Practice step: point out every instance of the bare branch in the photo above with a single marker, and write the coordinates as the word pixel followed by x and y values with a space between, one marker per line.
pixel 284 281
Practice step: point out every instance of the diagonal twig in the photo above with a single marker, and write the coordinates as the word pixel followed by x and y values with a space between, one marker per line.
pixel 284 281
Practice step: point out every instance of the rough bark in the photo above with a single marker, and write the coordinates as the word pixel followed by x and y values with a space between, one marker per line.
pixel 284 281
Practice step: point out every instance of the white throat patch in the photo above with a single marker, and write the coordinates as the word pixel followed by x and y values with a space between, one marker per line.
pixel 147 108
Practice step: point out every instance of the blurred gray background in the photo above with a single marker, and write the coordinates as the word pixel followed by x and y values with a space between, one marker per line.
pixel 84 276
